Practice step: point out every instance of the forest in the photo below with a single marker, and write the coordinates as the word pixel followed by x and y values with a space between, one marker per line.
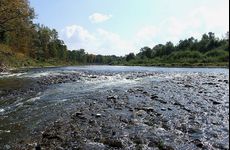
pixel 26 44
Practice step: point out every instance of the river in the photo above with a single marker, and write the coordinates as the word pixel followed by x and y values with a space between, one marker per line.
pixel 115 106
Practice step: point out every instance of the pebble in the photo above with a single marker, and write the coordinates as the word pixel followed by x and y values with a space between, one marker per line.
pixel 177 104
pixel 153 97
pixel 216 103
pixel 7 147
pixel 198 143
pixel 188 86
pixel 114 143
pixel 112 97
pixel 148 109
pixel 78 113
pixel 38 147
pixel 162 101
pixel 140 112
pixel 163 109
pixel 98 115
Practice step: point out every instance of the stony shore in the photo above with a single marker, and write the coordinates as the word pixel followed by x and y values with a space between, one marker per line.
pixel 180 112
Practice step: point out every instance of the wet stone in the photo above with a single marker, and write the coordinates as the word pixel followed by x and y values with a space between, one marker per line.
pixel 221 146
pixel 80 116
pixel 138 140
pixel 98 115
pixel 153 97
pixel 162 101
pixel 195 130
pixel 38 147
pixel 7 147
pixel 214 134
pixel 93 77
pixel 226 81
pixel 158 114
pixel 198 143
pixel 113 143
pixel 169 108
pixel 187 109
pixel 51 136
pixel 60 148
pixel 145 92
pixel 148 109
pixel 163 109
pixel 216 102
pixel 112 97
pixel 177 103
pixel 78 113
pixel 153 143
pixel 140 113
pixel 188 86
pixel 160 145
pixel 139 90
pixel 93 146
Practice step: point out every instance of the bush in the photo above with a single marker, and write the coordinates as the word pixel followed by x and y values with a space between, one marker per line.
pixel 5 49
pixel 184 57
pixel 186 54
pixel 216 53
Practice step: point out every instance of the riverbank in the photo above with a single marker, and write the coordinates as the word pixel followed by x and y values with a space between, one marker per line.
pixel 13 61
pixel 117 110
pixel 182 64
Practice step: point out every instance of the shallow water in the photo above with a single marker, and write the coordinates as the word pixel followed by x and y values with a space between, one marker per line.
pixel 28 114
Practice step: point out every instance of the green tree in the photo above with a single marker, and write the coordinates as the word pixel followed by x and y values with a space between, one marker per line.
pixel 15 17
pixel 130 56
pixel 146 52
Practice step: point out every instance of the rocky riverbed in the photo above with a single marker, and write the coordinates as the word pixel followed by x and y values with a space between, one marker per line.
pixel 115 110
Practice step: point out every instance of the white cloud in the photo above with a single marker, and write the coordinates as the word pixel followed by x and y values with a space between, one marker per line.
pixel 112 42
pixel 98 17
pixel 145 36
pixel 99 42
pixel 206 18
pixel 147 32
pixel 75 29
pixel 77 37
pixel 214 18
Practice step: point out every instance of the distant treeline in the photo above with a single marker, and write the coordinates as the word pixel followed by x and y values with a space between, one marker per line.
pixel 24 43
pixel 208 50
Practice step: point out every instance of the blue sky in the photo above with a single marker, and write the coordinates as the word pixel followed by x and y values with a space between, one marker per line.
pixel 122 26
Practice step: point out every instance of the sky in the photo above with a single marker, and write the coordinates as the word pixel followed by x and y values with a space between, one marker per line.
pixel 118 27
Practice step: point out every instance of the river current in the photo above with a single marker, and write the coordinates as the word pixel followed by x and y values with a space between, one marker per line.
pixel 185 108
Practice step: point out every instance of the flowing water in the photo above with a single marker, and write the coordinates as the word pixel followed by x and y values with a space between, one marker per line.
pixel 31 99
